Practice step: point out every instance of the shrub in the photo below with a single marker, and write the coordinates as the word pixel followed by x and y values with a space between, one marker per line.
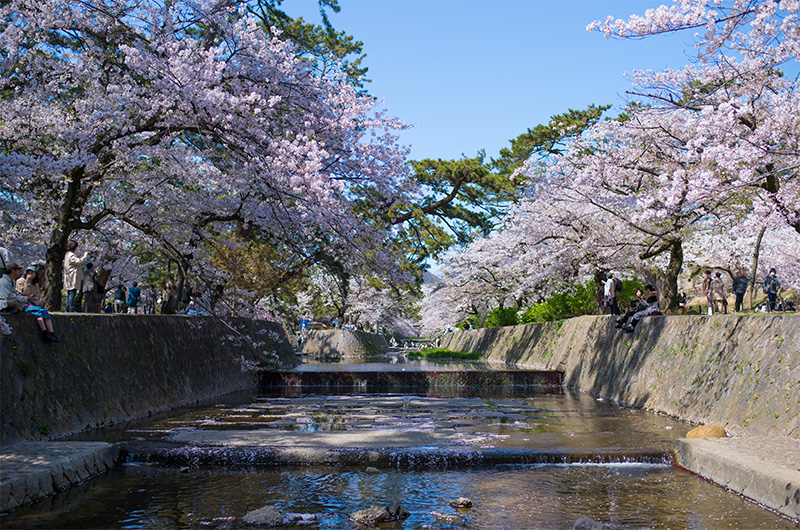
pixel 574 300
pixel 443 353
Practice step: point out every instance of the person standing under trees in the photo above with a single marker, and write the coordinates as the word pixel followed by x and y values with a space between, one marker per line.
pixel 91 302
pixel 150 300
pixel 167 295
pixel 134 293
pixel 682 298
pixel 186 296
pixel 706 290
pixel 610 292
pixel 740 282
pixel 73 273
pixel 119 299
pixel 772 286
pixel 718 294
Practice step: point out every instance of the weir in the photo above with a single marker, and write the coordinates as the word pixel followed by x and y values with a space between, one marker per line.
pixel 456 427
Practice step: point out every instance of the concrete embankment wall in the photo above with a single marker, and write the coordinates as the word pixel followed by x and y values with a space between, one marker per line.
pixel 111 368
pixel 740 371
pixel 347 343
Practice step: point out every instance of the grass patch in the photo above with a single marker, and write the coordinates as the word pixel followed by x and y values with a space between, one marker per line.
pixel 443 353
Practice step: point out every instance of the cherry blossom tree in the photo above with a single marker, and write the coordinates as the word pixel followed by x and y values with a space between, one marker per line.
pixel 180 121
pixel 740 95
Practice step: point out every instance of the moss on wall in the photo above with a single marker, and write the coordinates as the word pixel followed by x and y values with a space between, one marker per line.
pixel 741 371
pixel 344 343
pixel 110 368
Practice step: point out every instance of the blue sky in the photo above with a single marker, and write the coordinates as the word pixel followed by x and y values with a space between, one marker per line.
pixel 473 74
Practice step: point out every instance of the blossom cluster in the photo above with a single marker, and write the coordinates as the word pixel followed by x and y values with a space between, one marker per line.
pixel 160 125
pixel 702 170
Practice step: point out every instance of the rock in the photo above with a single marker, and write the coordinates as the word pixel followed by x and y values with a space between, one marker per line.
pixel 265 516
pixel 370 516
pixel 446 518
pixel 397 511
pixel 707 431
pixel 372 470
pixel 300 519
pixel 584 523
pixel 379 514
pixel 461 502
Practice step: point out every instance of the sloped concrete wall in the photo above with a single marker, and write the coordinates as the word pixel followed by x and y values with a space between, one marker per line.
pixel 110 368
pixel 741 371
pixel 347 343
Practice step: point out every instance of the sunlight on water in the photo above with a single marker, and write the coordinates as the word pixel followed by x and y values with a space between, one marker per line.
pixel 628 495
pixel 543 496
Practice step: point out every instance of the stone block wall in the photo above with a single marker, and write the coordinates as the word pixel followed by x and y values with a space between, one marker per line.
pixel 345 343
pixel 740 371
pixel 111 368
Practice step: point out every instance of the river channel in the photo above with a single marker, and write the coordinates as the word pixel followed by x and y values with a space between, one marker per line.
pixel 567 456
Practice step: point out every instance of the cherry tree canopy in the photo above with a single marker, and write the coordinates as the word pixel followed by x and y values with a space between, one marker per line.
pixel 701 153
pixel 177 121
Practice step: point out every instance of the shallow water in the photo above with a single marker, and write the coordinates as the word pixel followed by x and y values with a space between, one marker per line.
pixel 627 495
pixel 548 496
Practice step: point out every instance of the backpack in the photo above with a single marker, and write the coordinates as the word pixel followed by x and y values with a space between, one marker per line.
pixel 617 285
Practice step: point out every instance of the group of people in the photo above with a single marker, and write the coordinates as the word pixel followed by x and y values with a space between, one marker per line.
pixel 713 287
pixel 20 291
pixel 151 301
pixel 715 291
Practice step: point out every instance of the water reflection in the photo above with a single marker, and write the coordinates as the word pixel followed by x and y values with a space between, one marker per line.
pixel 529 496
pixel 549 496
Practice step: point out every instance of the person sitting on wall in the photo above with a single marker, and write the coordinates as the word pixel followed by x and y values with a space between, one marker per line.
pixel 652 307
pixel 10 300
pixel 191 309
pixel 637 304
pixel 28 286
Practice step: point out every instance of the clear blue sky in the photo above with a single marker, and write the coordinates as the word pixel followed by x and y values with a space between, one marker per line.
pixel 473 74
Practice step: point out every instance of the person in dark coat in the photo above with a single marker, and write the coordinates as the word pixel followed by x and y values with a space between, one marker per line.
pixel 740 283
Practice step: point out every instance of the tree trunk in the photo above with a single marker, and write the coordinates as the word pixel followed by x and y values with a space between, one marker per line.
pixel 53 274
pixel 103 275
pixel 599 290
pixel 67 222
pixel 754 269
pixel 180 280
pixel 669 287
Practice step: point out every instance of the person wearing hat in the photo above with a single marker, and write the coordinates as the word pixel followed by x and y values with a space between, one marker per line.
pixel 772 286
pixel 28 286
pixel 10 300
